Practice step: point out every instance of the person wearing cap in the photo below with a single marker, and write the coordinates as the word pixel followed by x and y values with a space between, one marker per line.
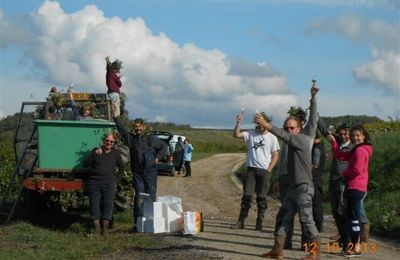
pixel 262 156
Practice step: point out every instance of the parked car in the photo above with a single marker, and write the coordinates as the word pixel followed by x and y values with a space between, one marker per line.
pixel 166 164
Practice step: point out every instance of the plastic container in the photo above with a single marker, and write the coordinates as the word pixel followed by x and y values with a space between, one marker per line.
pixel 65 144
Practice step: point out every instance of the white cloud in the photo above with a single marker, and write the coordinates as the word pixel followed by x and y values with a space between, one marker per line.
pixel 383 70
pixel 162 80
pixel 384 38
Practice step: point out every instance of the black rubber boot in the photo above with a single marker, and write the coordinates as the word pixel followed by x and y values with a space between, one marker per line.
pixel 242 216
pixel 261 208
pixel 259 223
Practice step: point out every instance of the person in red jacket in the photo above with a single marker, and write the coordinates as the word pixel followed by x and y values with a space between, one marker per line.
pixel 356 179
pixel 113 81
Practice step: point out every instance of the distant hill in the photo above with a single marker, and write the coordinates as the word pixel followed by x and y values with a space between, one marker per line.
pixel 350 120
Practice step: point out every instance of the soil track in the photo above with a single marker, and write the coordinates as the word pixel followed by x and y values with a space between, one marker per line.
pixel 213 190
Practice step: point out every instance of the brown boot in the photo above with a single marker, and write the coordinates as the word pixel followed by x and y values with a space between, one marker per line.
pixel 104 227
pixel 277 250
pixel 364 234
pixel 96 227
pixel 315 251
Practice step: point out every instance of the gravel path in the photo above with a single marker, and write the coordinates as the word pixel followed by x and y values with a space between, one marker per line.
pixel 213 190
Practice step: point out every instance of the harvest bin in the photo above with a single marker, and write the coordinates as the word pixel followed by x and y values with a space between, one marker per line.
pixel 64 144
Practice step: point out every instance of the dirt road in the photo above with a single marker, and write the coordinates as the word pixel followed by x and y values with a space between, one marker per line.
pixel 213 190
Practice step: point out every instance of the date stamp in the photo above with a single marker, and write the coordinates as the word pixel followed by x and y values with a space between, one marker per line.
pixel 334 248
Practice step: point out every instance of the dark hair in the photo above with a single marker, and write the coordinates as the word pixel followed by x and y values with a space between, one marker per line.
pixel 297 119
pixel 52 109
pixel 116 65
pixel 138 121
pixel 343 127
pixel 361 128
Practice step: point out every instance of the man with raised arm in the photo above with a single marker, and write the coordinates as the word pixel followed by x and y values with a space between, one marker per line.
pixel 301 188
pixel 262 156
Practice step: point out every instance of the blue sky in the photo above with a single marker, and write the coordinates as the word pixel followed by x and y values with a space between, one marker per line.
pixel 199 62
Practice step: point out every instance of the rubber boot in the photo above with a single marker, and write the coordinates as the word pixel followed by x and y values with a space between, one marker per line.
pixel 104 227
pixel 315 253
pixel 261 208
pixel 259 223
pixel 364 234
pixel 242 216
pixel 96 227
pixel 277 250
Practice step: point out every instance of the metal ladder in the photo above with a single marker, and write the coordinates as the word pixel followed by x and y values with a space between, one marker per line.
pixel 24 167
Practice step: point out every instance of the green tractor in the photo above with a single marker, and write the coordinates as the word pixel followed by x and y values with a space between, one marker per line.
pixel 49 153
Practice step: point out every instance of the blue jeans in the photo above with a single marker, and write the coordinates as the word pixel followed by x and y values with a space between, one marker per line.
pixel 355 215
pixel 101 197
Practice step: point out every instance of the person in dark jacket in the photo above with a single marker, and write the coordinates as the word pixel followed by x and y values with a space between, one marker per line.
pixel 101 185
pixel 145 151
pixel 178 155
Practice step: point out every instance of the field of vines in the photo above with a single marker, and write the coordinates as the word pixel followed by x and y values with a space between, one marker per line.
pixel 382 202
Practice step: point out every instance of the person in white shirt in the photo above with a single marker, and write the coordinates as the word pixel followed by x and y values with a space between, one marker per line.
pixel 262 156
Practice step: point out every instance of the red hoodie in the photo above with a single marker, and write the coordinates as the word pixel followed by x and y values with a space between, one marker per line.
pixel 356 174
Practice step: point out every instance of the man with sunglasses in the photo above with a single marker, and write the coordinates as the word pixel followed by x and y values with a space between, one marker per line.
pixel 301 188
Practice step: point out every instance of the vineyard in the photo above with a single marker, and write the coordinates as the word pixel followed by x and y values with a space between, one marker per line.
pixel 384 185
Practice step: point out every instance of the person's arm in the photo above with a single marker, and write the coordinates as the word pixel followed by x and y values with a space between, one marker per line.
pixel 120 162
pixel 312 123
pixel 274 161
pixel 108 62
pixel 123 131
pixel 159 146
pixel 339 155
pixel 236 131
pixel 88 161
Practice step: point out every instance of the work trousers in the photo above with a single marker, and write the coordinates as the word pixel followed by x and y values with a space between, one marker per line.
pixel 144 183
pixel 257 180
pixel 101 199
pixel 298 199
pixel 283 191
pixel 335 196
